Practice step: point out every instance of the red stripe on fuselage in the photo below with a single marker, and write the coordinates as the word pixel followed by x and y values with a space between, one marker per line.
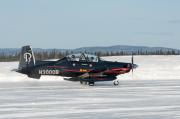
pixel 118 70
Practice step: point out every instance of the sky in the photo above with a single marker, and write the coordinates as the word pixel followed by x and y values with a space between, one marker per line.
pixel 80 23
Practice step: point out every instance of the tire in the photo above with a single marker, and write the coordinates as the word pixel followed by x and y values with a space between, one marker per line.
pixel 91 83
pixel 116 83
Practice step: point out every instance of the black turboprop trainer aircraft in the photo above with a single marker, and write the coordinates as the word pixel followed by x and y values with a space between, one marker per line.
pixel 79 67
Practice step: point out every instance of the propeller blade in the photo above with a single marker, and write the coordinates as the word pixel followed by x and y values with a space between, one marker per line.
pixel 132 59
pixel 132 63
pixel 133 66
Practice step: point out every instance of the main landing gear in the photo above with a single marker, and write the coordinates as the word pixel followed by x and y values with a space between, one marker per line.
pixel 91 83
pixel 116 82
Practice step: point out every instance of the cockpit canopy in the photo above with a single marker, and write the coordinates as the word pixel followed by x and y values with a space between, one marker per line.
pixel 82 57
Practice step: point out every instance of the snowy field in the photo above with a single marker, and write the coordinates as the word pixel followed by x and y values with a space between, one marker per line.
pixel 152 93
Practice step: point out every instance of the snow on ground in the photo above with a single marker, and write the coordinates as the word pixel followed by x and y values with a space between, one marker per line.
pixel 151 67
pixel 52 97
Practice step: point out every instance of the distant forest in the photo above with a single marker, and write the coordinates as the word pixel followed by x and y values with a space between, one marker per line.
pixel 56 54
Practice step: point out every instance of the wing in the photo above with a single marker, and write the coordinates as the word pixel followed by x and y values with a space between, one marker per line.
pixel 94 73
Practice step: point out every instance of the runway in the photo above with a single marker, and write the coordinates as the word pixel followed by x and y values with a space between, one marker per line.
pixel 152 93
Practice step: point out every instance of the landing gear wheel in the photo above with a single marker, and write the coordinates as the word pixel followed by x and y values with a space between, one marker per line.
pixel 116 83
pixel 91 83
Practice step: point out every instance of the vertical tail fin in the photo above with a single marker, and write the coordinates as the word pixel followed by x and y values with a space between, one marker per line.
pixel 27 59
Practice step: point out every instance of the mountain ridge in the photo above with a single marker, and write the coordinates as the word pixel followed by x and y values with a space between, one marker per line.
pixel 93 49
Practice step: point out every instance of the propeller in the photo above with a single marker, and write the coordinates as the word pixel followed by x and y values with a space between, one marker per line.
pixel 132 63
pixel 133 66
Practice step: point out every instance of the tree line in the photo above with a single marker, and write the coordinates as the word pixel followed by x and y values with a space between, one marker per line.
pixel 55 54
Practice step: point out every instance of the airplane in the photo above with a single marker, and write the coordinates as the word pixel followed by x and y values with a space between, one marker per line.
pixel 85 68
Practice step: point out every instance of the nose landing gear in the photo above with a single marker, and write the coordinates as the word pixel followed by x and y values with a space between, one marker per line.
pixel 116 82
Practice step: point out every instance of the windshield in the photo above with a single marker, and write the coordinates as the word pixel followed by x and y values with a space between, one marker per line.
pixel 82 57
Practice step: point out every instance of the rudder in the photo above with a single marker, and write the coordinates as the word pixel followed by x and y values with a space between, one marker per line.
pixel 27 59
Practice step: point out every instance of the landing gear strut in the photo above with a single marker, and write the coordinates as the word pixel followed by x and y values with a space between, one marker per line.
pixel 116 82
pixel 83 82
pixel 91 83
